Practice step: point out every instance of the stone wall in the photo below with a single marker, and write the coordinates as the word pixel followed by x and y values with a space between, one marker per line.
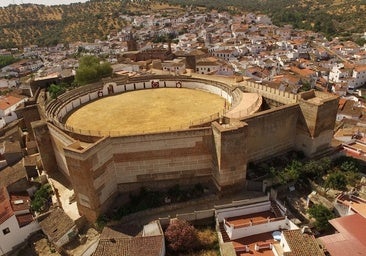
pixel 115 164
pixel 270 93
pixel 271 132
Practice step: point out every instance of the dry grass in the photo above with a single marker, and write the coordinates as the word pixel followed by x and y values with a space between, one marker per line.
pixel 146 111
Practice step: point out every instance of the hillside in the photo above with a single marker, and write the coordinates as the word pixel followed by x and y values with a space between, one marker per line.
pixel 26 24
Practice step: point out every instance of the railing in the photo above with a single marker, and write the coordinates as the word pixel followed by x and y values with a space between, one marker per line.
pixel 253 223
pixel 57 109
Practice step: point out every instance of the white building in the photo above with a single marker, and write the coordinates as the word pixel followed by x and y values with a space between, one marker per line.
pixel 59 227
pixel 207 66
pixel 16 221
pixel 338 73
pixel 358 77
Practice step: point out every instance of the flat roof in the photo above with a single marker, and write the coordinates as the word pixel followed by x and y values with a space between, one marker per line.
pixel 255 218
pixel 351 237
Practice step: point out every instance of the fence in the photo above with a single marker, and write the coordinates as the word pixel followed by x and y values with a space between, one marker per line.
pixel 59 108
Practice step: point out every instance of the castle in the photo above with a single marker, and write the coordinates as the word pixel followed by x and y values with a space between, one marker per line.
pixel 100 166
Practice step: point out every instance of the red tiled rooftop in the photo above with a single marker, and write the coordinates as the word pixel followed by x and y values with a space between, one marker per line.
pixel 5 208
pixel 251 241
pixel 256 218
pixel 20 202
pixel 351 237
pixel 301 244
pixel 8 101
pixel 24 219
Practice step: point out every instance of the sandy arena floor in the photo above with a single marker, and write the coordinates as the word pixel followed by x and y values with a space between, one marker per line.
pixel 146 111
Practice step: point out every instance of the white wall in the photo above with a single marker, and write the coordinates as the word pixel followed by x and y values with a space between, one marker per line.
pixel 242 210
pixel 16 236
pixel 65 238
pixel 237 233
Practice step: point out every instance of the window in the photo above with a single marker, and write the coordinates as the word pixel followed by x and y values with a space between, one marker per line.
pixel 6 231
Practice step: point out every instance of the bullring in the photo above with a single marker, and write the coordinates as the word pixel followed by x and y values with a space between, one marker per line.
pixel 215 149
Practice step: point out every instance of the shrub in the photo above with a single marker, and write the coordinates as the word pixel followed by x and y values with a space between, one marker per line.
pixel 322 215
pixel 181 236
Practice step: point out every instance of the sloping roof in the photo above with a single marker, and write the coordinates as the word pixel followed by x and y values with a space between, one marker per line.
pixel 5 208
pixel 8 101
pixel 144 246
pixel 56 224
pixel 20 202
pixel 302 244
pixel 127 240
pixel 12 174
pixel 351 237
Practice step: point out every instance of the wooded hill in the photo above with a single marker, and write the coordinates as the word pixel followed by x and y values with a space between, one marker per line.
pixel 26 24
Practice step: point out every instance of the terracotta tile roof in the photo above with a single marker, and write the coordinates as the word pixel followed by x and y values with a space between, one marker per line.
pixel 360 68
pixel 122 231
pixel 301 244
pixel 302 72
pixel 24 219
pixel 56 224
pixel 5 208
pixel 8 101
pixel 12 174
pixel 144 246
pixel 127 240
pixel 20 202
pixel 351 237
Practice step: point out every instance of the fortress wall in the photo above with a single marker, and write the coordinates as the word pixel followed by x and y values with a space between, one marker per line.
pixel 271 132
pixel 60 141
pixel 92 173
pixel 157 157
pixel 270 93
pixel 123 164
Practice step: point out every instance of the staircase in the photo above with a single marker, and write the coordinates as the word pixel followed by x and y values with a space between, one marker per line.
pixel 275 209
pixel 224 235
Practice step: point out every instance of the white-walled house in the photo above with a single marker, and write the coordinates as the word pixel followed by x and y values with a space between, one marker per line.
pixel 358 77
pixel 176 66
pixel 207 66
pixel 8 104
pixel 16 221
pixel 338 73
pixel 59 227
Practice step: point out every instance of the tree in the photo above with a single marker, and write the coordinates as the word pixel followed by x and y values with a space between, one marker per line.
pixel 92 70
pixel 336 180
pixel 315 169
pixel 322 215
pixel 290 173
pixel 56 90
pixel 41 198
pixel 181 236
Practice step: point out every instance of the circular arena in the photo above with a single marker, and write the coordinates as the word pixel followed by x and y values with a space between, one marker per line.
pixel 146 111
pixel 143 105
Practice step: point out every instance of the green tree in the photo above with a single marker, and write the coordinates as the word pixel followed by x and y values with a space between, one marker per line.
pixel 316 169
pixel 41 197
pixel 6 60
pixel 56 90
pixel 290 173
pixel 322 215
pixel 336 180
pixel 92 70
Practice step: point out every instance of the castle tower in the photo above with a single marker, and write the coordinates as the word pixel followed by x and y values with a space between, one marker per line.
pixel 44 144
pixel 230 158
pixel 316 121
pixel 131 43
pixel 93 177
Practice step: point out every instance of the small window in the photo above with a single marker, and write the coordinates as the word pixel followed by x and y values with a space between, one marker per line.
pixel 6 231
